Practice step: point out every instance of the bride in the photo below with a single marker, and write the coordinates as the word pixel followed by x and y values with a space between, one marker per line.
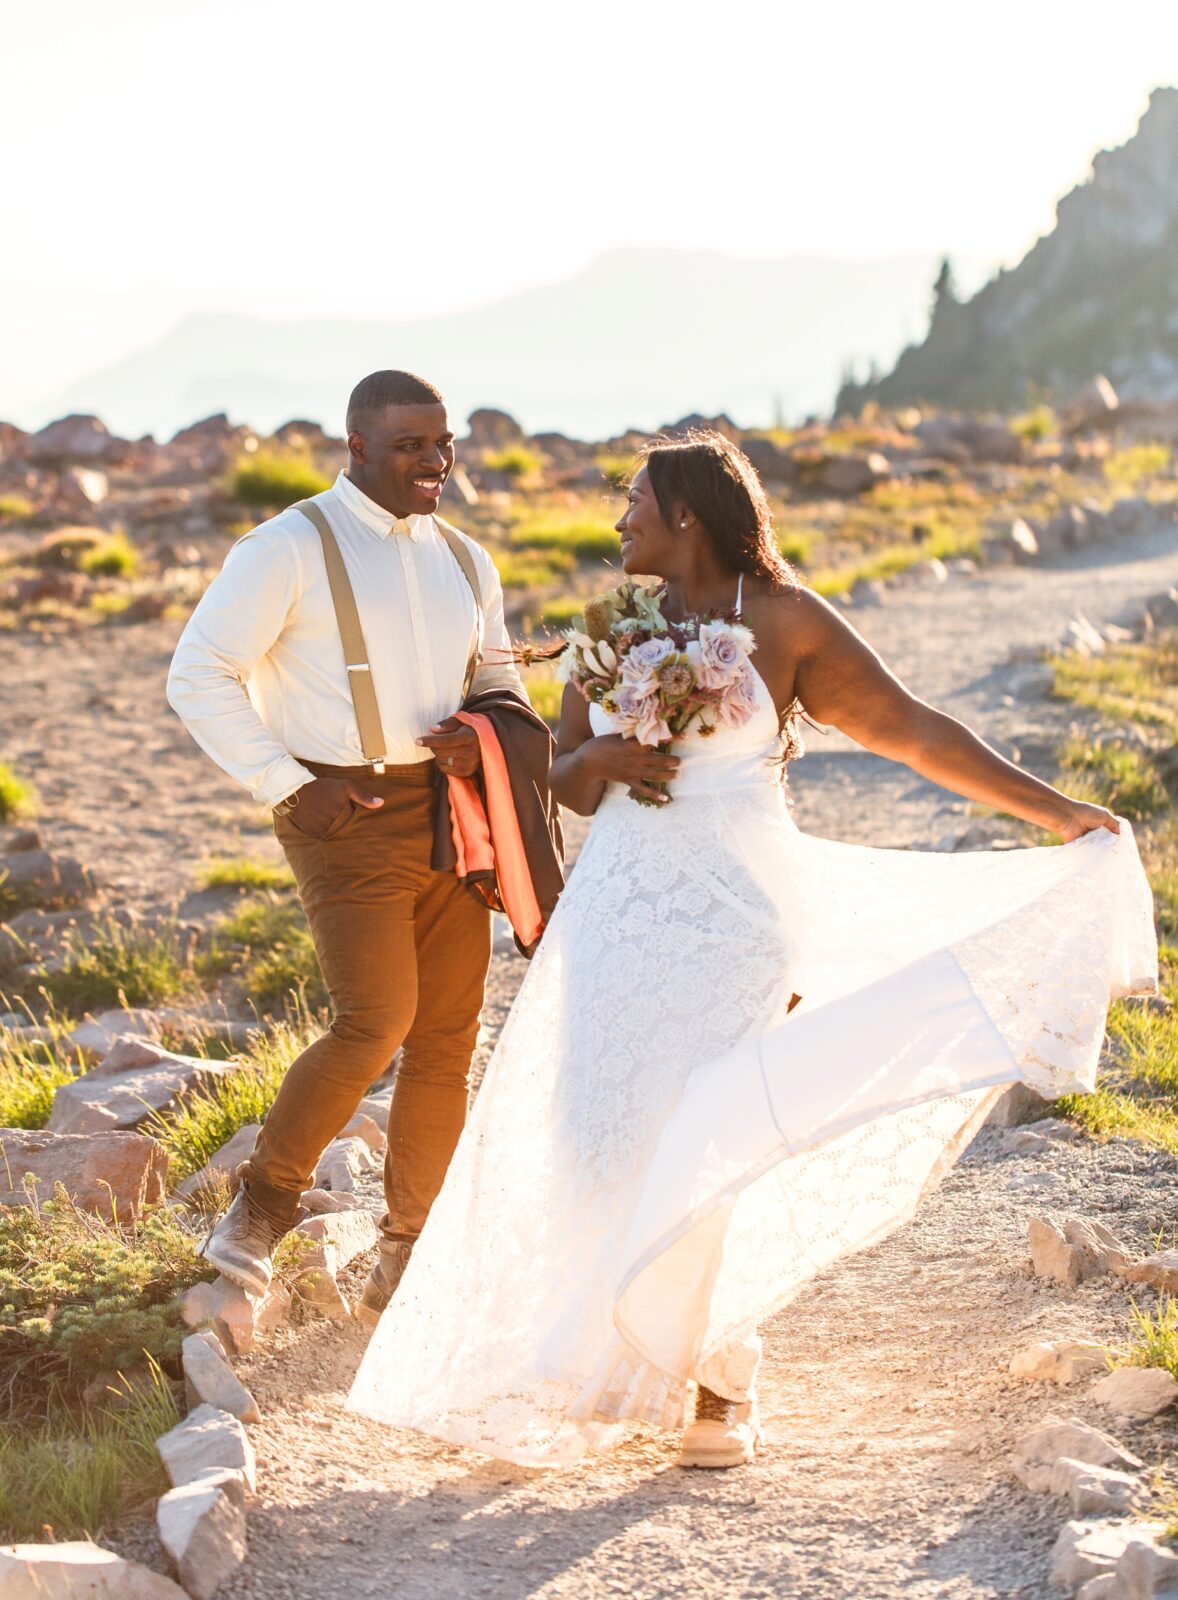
pixel 740 1052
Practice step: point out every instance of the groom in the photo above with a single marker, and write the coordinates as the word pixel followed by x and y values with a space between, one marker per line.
pixel 262 681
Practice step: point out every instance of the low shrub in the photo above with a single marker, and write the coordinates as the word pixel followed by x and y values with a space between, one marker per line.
pixel 245 872
pixel 532 569
pixel 117 965
pixel 31 1071
pixel 1038 423
pixel 581 536
pixel 272 480
pixel 81 1296
pixel 795 547
pixel 114 557
pixel 616 470
pixel 514 461
pixel 15 508
pixel 18 799
pixel 546 695
pixel 267 944
pixel 1136 464
pixel 560 612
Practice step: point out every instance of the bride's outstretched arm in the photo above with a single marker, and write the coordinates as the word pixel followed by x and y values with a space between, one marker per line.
pixel 584 765
pixel 842 682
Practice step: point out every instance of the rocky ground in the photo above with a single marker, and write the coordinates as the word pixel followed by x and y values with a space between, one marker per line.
pixel 891 1411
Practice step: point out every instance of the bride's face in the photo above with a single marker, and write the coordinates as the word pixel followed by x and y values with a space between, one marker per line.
pixel 647 543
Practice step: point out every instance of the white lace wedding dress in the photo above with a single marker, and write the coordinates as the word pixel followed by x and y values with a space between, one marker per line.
pixel 660 1156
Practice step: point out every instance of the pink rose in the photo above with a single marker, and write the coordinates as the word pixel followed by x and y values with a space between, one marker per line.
pixel 721 656
pixel 739 700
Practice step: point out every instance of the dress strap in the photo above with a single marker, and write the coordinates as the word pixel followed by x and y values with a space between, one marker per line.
pixel 739 591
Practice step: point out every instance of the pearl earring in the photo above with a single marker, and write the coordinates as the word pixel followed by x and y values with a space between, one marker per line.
pixel 682 522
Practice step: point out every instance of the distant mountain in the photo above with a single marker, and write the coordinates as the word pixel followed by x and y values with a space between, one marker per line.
pixel 638 338
pixel 1099 293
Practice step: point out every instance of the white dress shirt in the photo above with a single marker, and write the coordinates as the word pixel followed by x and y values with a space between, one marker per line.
pixel 258 677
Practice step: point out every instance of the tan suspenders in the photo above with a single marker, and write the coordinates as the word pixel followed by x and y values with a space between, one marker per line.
pixel 343 598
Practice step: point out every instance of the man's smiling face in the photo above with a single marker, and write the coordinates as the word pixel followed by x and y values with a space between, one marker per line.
pixel 401 456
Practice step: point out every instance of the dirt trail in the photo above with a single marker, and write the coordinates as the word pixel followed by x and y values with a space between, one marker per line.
pixel 889 1407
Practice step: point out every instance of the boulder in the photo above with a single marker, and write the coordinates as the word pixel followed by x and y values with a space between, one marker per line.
pixel 1136 1393
pixel 851 474
pixel 124 1099
pixel 493 430
pixel 106 1171
pixel 1059 1361
pixel 95 1037
pixel 208 1439
pixel 1017 1105
pixel 237 1318
pixel 78 1570
pixel 342 1163
pixel 336 1239
pixel 210 1380
pixel 1095 406
pixel 320 1201
pixel 202 1527
pixel 38 878
pixel 1086 1550
pixel 1131 513
pixel 1082 1249
pixel 222 1165
pixel 1105 1587
pixel 1037 1451
pixel 362 1126
pixel 1094 1491
pixel 74 438
pixel 1159 1270
pixel 79 488
pixel 1147 1568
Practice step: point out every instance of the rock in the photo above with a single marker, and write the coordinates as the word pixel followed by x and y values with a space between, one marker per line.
pixel 124 1099
pixel 15 840
pixel 337 1238
pixel 222 1165
pixel 1081 1249
pixel 1147 1568
pixel 342 1163
pixel 1130 514
pixel 868 592
pixel 78 1570
pixel 1095 406
pixel 81 487
pixel 236 1317
pixel 99 1171
pixel 1160 1270
pixel 1162 609
pixel 1059 1361
pixel 1135 1393
pixel 493 430
pixel 852 474
pixel 1021 1142
pixel 96 1037
pixel 1037 1451
pixel 1106 1587
pixel 74 438
pixel 320 1201
pixel 362 1126
pixel 1095 1490
pixel 1081 637
pixel 1016 1105
pixel 209 1379
pixel 47 881
pixel 207 1439
pixel 202 1527
pixel 1085 1550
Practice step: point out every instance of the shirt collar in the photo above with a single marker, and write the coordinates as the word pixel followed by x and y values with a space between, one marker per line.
pixel 376 517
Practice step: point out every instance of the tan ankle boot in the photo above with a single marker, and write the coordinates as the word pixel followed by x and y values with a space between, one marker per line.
pixel 383 1280
pixel 725 1433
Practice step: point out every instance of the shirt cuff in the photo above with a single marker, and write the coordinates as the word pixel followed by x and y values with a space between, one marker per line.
pixel 282 780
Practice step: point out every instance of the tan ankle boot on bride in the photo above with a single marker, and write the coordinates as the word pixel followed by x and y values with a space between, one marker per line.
pixel 725 1433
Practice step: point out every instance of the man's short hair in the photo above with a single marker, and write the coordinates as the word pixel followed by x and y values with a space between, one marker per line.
pixel 390 388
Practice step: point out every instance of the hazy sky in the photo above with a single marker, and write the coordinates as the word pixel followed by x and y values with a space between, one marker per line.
pixel 376 158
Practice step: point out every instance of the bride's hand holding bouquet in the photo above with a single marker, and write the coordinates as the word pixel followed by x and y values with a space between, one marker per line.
pixel 655 679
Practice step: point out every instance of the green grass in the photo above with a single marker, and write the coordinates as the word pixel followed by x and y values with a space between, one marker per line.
pixel 582 536
pixel 199 1127
pixel 275 481
pixel 114 557
pixel 1136 464
pixel 116 966
pixel 546 695
pixel 615 469
pixel 15 507
pixel 515 461
pixel 1153 1338
pixel 1132 683
pixel 795 547
pixel 560 612
pixel 532 569
pixel 31 1071
pixel 70 547
pixel 245 872
pixel 74 1474
pixel 1116 775
pixel 267 944
pixel 1038 423
pixel 18 799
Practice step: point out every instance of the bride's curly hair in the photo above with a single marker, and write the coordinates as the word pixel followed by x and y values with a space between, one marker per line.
pixel 719 485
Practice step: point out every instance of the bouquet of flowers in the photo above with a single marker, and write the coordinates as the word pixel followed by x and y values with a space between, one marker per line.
pixel 656 678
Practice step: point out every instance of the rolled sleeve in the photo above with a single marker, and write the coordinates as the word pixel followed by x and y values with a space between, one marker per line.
pixel 235 624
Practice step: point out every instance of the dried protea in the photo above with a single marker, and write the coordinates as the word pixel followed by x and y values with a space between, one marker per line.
pixel 599 616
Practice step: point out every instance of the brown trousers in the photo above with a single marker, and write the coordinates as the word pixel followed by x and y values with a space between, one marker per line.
pixel 404 952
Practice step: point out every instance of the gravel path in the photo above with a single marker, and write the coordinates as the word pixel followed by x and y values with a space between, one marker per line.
pixel 889 1406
